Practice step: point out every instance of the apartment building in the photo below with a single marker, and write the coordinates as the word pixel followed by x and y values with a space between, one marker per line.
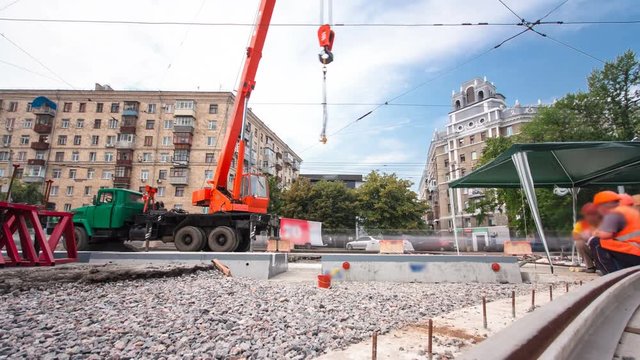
pixel 478 112
pixel 86 140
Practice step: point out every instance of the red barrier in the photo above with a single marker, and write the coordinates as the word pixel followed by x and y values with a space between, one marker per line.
pixel 38 251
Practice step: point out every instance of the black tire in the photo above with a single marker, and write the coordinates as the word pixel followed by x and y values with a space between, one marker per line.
pixel 82 239
pixel 222 239
pixel 244 242
pixel 189 238
pixel 349 247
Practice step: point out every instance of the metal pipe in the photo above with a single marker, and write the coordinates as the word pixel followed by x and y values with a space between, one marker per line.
pixel 430 344
pixel 374 346
pixel 484 312
pixel 513 304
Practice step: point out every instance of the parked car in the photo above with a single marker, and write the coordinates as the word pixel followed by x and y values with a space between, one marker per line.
pixel 407 247
pixel 361 243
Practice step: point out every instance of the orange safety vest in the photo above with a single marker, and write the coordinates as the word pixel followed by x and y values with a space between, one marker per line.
pixel 627 240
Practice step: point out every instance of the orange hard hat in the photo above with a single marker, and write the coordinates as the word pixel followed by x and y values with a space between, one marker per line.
pixel 626 200
pixel 605 196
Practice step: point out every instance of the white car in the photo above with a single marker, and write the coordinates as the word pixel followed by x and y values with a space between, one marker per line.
pixel 407 246
pixel 362 243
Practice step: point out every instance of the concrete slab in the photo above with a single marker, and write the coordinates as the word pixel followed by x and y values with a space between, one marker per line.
pixel 422 268
pixel 252 265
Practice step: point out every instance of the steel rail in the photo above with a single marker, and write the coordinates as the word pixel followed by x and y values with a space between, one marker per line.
pixel 584 324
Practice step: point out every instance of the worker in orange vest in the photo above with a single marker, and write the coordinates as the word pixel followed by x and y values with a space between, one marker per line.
pixel 616 244
pixel 583 230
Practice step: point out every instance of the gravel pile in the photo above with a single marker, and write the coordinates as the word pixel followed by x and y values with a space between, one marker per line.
pixel 204 316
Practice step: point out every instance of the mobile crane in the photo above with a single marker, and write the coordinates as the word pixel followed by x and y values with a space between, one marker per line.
pixel 235 214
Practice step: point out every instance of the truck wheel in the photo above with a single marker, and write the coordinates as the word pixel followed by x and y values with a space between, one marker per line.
pixel 82 239
pixel 189 238
pixel 222 239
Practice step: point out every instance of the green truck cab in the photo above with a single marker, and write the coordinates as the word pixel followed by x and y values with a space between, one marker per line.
pixel 109 218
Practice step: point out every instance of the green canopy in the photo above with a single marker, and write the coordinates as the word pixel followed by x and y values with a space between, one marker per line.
pixel 567 165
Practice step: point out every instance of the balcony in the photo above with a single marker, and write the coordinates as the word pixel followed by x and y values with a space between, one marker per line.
pixel 128 127
pixel 42 128
pixel 40 145
pixel 295 166
pixel 131 108
pixel 36 162
pixel 179 179
pixel 125 144
pixel 121 181
pixel 185 112
pixel 33 178
pixel 288 158
pixel 271 170
pixel 124 162
pixel 183 128
pixel 182 141
pixel 44 110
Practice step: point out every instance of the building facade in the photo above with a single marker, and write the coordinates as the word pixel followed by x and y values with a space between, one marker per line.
pixel 86 140
pixel 478 112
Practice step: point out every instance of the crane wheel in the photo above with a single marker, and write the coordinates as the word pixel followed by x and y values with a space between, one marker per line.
pixel 222 239
pixel 189 238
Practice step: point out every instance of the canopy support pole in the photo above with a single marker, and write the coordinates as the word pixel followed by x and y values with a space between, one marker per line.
pixel 526 179
pixel 574 201
pixel 453 218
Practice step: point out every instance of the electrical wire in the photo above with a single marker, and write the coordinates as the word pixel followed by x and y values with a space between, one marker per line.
pixel 9 5
pixel 243 24
pixel 511 10
pixel 36 60
pixel 28 70
pixel 347 104
pixel 568 46
pixel 552 10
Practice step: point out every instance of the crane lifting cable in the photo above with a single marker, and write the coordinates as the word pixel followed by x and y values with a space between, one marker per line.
pixel 325 39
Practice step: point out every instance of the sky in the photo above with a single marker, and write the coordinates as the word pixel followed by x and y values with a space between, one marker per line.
pixel 372 64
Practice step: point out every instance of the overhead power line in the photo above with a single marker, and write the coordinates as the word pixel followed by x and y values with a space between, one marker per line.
pixel 347 104
pixel 27 70
pixel 36 60
pixel 243 24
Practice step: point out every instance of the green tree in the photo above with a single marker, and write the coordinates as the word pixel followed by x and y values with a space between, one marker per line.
pixel 330 202
pixel 386 202
pixel 275 195
pixel 25 193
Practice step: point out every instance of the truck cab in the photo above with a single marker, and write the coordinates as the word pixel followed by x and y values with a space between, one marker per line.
pixel 108 218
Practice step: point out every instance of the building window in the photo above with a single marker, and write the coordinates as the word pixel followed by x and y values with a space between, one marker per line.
pixel 211 141
pixel 179 191
pixel 97 123
pixel 446 163
pixel 27 124
pixel 99 107
pixel 67 107
pixel 480 95
pixel 146 157
pixel 73 173
pixel 509 130
pixel 150 124
pixel 67 207
pixel 29 107
pixel 5 156
pixel 160 191
pixel 77 140
pixel 93 156
pixel 470 93
pixel 166 141
pixel 208 174
pixel 62 139
pixel 115 107
pixel 107 174
pixel 6 140
pixel 69 190
pixel 162 175
pixel 75 156
pixel 87 191
pixel 80 123
pixel 467 222
pixel 22 155
pixel 472 139
pixel 164 157
pixel 144 175
pixel 183 121
pixel 462 158
pixel 82 107
pixel 474 155
pixel 213 108
pixel 213 125
pixel 168 124
pixel 151 108
pixel 95 139
pixel 24 140
pixel 111 139
pixel 461 142
pixel 181 155
pixel 483 136
pixel 210 158
pixel 59 156
pixel 491 221
pixel 113 124
pixel 148 141
pixel 91 173
pixel 57 173
pixel 65 124
pixel 54 190
pixel 108 157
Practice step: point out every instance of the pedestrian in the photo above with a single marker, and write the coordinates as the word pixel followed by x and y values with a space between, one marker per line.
pixel 616 242
pixel 583 230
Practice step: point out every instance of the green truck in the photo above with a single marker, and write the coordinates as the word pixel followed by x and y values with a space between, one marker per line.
pixel 118 215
